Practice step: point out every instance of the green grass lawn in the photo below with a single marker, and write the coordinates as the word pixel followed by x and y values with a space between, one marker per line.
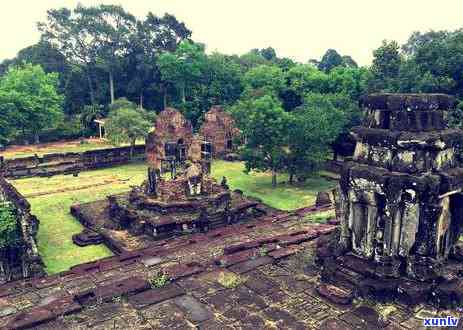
pixel 284 196
pixel 57 225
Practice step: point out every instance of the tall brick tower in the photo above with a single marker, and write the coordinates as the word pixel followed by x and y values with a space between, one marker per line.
pixel 401 200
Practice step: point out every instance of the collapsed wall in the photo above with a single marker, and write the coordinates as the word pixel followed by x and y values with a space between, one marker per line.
pixel 22 259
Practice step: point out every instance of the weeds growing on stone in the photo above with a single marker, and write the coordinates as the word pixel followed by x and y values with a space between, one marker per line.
pixel 159 280
pixel 230 280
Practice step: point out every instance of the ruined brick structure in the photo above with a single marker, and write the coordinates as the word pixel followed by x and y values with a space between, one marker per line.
pixel 21 260
pixel 171 138
pixel 190 200
pixel 219 129
pixel 400 199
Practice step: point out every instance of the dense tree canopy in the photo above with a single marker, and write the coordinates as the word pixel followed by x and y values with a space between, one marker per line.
pixel 265 127
pixel 314 126
pixel 29 101
pixel 99 61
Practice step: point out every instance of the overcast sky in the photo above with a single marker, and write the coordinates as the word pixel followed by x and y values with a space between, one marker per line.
pixel 298 29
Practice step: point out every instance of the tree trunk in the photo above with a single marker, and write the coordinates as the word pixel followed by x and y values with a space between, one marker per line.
pixel 90 85
pixel 335 156
pixel 274 179
pixel 36 138
pixel 111 86
pixel 291 178
pixel 182 93
pixel 140 104
pixel 164 97
pixel 132 147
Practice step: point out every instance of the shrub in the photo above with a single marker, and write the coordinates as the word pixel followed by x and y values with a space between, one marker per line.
pixel 69 129
pixel 9 231
pixel 159 280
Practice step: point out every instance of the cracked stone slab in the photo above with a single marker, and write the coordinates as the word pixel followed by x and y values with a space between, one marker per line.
pixel 249 265
pixel 152 261
pixel 196 311
pixel 155 296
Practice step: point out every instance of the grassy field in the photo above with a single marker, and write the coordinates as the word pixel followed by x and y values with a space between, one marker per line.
pixel 284 196
pixel 57 225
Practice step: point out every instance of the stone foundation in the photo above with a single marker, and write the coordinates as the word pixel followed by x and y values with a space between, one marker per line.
pixel 21 260
pixel 63 163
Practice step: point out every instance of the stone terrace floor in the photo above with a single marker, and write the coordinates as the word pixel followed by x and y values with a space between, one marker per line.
pixel 272 287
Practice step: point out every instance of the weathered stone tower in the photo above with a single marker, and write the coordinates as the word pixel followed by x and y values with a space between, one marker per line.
pixel 401 198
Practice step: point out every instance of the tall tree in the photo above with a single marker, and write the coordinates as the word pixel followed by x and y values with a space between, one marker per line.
pixel 72 33
pixel 314 126
pixel 32 98
pixel 330 60
pixel 386 67
pixel 269 54
pixel 112 27
pixel 183 66
pixel 265 127
pixel 154 36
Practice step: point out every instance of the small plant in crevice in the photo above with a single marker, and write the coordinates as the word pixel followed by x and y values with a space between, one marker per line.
pixel 117 299
pixel 159 280
pixel 230 280
pixel 262 252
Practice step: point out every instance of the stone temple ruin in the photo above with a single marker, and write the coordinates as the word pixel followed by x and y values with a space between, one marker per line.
pixel 400 202
pixel 219 129
pixel 178 196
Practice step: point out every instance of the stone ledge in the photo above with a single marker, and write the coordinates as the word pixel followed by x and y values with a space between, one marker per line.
pixel 397 102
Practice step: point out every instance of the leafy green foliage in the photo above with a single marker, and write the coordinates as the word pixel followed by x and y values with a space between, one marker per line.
pixel 268 77
pixel 121 103
pixel 314 126
pixel 386 67
pixel 182 67
pixel 265 125
pixel 126 125
pixel 159 280
pixel 9 231
pixel 30 100
pixel 456 117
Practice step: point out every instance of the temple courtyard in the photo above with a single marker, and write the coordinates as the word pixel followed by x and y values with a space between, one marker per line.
pixel 51 199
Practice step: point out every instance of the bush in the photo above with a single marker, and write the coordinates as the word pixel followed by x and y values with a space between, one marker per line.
pixel 9 231
pixel 68 129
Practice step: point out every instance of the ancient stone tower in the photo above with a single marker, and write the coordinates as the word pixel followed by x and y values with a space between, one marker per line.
pixel 219 128
pixel 401 198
